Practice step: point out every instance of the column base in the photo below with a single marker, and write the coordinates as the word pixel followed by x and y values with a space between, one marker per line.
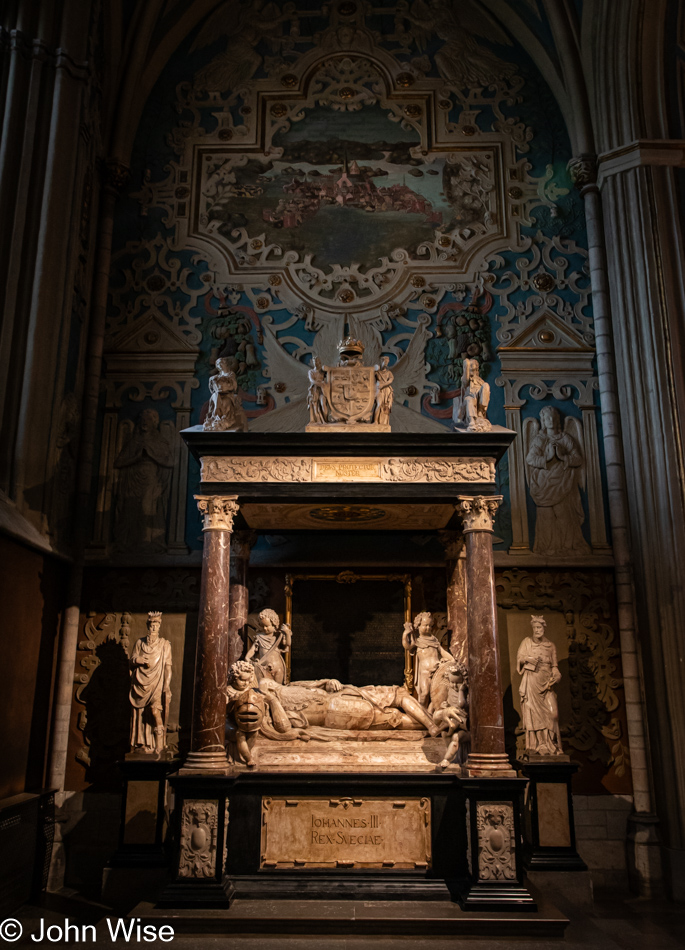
pixel 489 765
pixel 206 762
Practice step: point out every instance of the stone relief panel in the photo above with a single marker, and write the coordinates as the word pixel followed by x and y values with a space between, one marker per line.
pixel 199 830
pixel 496 841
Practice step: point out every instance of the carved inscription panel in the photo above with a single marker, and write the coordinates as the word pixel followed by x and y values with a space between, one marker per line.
pixel 346 833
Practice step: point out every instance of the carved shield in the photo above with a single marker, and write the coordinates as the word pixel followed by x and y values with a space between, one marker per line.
pixel 350 392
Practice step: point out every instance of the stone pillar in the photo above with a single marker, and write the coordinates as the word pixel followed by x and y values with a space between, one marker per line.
pixel 238 594
pixel 455 555
pixel 207 750
pixel 487 757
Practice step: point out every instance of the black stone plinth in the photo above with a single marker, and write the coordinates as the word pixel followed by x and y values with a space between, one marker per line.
pixel 236 872
pixel 495 858
pixel 141 838
pixel 543 848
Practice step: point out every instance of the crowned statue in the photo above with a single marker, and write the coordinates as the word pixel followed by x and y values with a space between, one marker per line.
pixel 150 692
pixel 350 394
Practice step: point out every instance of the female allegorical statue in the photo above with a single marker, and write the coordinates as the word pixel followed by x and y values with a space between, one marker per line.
pixel 536 661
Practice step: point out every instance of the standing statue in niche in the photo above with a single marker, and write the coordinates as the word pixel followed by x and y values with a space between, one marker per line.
pixel 470 407
pixel 144 465
pixel 555 469
pixel 418 638
pixel 225 412
pixel 316 401
pixel 384 393
pixel 150 693
pixel 536 661
pixel 271 645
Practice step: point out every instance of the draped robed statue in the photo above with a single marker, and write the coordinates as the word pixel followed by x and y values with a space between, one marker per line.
pixel 150 692
pixel 537 663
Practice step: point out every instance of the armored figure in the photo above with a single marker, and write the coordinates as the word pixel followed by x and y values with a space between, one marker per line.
pixel 536 661
pixel 325 709
pixel 150 692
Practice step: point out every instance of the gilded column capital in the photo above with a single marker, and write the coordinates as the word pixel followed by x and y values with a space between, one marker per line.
pixel 218 511
pixel 478 512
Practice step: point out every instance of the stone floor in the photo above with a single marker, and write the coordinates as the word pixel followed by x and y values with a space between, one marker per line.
pixel 613 924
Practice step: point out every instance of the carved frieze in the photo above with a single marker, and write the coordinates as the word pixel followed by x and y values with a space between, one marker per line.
pixel 496 841
pixel 199 828
pixel 395 469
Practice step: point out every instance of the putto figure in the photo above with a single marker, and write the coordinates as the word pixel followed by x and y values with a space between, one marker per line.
pixel 271 645
pixel 470 408
pixel 225 413
pixel 449 696
pixel 536 661
pixel 350 393
pixel 428 653
pixel 150 692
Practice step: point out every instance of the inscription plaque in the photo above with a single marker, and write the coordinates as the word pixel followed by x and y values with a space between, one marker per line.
pixel 346 833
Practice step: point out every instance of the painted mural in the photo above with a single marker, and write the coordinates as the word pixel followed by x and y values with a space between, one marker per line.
pixel 396 172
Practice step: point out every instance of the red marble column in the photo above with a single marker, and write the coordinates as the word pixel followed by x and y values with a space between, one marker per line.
pixel 207 750
pixel 455 560
pixel 238 595
pixel 486 713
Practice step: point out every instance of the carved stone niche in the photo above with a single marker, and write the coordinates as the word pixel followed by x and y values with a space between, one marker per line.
pixel 150 361
pixel 547 356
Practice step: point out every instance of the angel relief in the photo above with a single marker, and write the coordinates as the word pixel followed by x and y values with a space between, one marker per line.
pixel 555 470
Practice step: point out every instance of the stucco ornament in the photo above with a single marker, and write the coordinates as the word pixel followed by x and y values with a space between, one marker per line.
pixel 555 470
pixel 537 663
